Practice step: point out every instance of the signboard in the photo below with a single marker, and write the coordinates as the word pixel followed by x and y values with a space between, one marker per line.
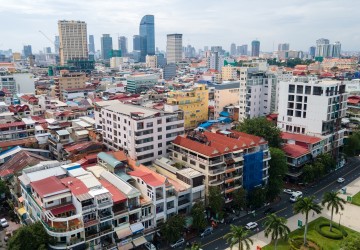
pixel 299 223
pixel 348 198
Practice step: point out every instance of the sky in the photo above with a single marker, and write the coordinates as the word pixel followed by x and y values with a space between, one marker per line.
pixel 202 22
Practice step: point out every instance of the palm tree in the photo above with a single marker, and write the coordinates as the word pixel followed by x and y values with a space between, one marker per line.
pixel 334 202
pixel 276 227
pixel 238 235
pixel 305 205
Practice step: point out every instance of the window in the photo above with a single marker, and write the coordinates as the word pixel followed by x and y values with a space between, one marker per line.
pixel 159 145
pixel 149 125
pixel 159 129
pixel 192 162
pixel 159 137
pixel 290 112
pixel 299 98
pixel 291 88
pixel 159 121
pixel 299 89
pixel 317 91
pixel 291 98
pixel 307 90
pixel 202 166
pixel 160 152
pixel 297 113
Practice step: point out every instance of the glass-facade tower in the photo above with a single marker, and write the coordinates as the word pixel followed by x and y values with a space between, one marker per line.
pixel 147 34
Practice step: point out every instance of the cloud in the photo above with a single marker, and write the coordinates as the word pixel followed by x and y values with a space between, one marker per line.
pixel 299 22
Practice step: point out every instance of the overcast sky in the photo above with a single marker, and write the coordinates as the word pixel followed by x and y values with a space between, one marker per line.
pixel 202 22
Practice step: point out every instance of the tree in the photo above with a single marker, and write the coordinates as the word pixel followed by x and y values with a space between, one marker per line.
pixel 172 229
pixel 195 246
pixel 30 237
pixel 3 188
pixel 352 242
pixel 327 161
pixel 239 198
pixel 304 206
pixel 277 171
pixel 308 173
pixel 216 199
pixel 318 169
pixel 276 227
pixel 198 215
pixel 238 235
pixel 352 145
pixel 256 197
pixel 263 128
pixel 334 202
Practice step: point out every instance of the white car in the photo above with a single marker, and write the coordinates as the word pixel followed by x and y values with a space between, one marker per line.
pixel 288 191
pixel 251 225
pixel 149 246
pixel 340 180
pixel 178 243
pixel 4 223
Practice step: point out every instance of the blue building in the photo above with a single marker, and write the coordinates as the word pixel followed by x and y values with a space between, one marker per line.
pixel 147 33
pixel 106 46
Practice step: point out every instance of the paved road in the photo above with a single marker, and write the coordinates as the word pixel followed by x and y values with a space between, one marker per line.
pixel 350 172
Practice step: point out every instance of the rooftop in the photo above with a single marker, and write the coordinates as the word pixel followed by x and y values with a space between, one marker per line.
pixel 48 186
pixel 116 194
pixel 300 138
pixel 148 178
pixel 294 151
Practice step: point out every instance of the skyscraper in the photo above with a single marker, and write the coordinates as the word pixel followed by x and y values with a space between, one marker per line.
pixel 57 44
pixel 243 50
pixel 174 48
pixel 233 49
pixel 136 42
pixel 122 45
pixel 27 51
pixel 336 50
pixel 283 47
pixel 323 48
pixel 147 32
pixel 106 46
pixel 312 51
pixel 91 44
pixel 255 48
pixel 73 40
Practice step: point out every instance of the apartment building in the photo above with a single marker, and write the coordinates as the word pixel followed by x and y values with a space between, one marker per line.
pixel 257 92
pixel 32 102
pixel 138 83
pixel 68 81
pixel 230 73
pixel 193 102
pixel 151 61
pixel 8 83
pixel 228 159
pixel 143 133
pixel 314 107
pixel 79 207
pixel 226 94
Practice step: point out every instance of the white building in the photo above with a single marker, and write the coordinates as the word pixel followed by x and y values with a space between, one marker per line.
pixel 174 48
pixel 143 133
pixel 313 107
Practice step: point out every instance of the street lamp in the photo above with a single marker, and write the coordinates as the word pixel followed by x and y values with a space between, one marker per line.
pixel 340 218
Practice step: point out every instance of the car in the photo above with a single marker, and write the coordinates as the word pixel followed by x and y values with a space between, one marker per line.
pixel 178 243
pixel 4 223
pixel 288 191
pixel 296 195
pixel 149 246
pixel 269 210
pixel 340 180
pixel 251 225
pixel 206 232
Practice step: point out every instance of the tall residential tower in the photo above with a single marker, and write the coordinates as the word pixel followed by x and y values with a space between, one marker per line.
pixel 174 48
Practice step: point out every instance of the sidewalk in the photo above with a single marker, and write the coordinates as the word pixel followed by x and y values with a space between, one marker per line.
pixel 347 218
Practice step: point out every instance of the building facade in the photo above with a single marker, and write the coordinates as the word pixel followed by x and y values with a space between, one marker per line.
pixel 106 46
pixel 174 48
pixel 73 40
pixel 147 32
pixel 255 48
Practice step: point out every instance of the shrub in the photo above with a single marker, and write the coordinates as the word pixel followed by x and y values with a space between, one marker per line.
pixel 337 234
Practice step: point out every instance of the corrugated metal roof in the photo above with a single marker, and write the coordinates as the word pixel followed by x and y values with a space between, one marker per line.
pixel 110 160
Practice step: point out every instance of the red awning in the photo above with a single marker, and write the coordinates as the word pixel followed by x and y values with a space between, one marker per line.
pixel 63 209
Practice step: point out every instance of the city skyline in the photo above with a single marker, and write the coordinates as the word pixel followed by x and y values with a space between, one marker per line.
pixel 297 23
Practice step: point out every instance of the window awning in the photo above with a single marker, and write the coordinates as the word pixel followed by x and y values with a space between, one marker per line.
pixel 123 232
pixel 139 241
pixel 63 209
pixel 127 246
pixel 21 211
pixel 137 227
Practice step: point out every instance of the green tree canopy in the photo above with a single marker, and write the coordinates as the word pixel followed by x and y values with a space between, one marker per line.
pixel 238 235
pixel 352 242
pixel 29 237
pixel 275 227
pixel 216 199
pixel 334 202
pixel 239 198
pixel 263 128
pixel 327 161
pixel 256 197
pixel 278 169
pixel 305 205
pixel 172 229
pixel 352 145
pixel 198 215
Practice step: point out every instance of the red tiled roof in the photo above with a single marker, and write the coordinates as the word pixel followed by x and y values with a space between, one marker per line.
pixel 294 151
pixel 12 124
pixel 119 155
pixel 149 178
pixel 244 136
pixel 196 146
pixel 300 138
pixel 48 185
pixel 76 186
pixel 116 195
pixel 5 144
pixel 80 146
pixel 63 209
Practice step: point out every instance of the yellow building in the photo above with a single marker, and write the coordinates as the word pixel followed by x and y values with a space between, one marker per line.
pixel 194 103
pixel 16 56
pixel 229 73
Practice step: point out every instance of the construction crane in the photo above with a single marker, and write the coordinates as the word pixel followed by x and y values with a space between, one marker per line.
pixel 42 33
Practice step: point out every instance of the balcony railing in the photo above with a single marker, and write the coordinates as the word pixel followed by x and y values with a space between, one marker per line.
pixel 91 222
pixel 105 229
pixel 215 182
pixel 104 204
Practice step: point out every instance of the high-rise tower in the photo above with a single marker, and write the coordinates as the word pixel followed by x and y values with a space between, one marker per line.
pixel 255 48
pixel 147 33
pixel 106 46
pixel 73 40
pixel 91 44
pixel 174 48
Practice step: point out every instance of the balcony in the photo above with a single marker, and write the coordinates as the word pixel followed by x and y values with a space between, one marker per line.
pixel 120 210
pixel 88 207
pixel 61 225
pixel 217 171
pixel 105 204
pixel 215 182
pixel 133 206
pixel 183 202
pixel 105 216
pixel 216 161
pixel 105 229
pixel 91 234
pixel 91 222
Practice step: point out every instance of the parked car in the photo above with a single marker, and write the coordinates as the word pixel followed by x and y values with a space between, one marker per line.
pixel 149 246
pixel 178 243
pixel 4 223
pixel 269 210
pixel 251 225
pixel 206 232
pixel 340 180
pixel 288 191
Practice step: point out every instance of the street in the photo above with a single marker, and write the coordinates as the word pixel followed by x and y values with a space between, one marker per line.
pixel 284 207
